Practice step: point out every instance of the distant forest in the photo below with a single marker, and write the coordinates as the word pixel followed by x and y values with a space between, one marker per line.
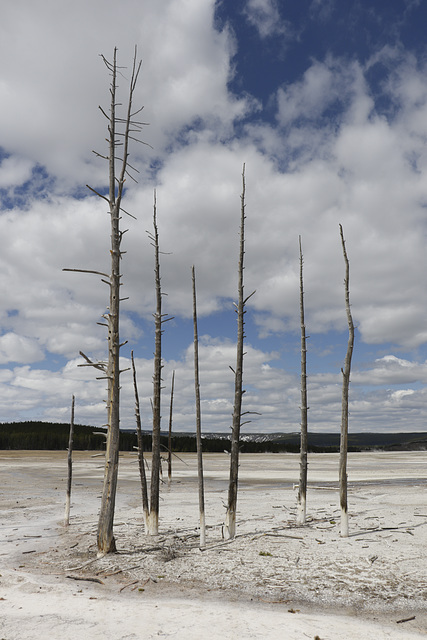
pixel 54 436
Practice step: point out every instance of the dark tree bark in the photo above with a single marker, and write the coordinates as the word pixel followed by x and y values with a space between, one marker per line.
pixel 230 520
pixel 198 419
pixel 70 466
pixel 345 391
pixel 141 461
pixel 302 490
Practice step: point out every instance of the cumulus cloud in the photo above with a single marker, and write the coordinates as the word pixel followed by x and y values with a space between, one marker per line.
pixel 391 370
pixel 323 85
pixel 16 348
pixel 50 92
pixel 336 152
pixel 14 171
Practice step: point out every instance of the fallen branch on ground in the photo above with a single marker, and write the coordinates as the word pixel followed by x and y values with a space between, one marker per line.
pixel 128 585
pixel 405 620
pixel 85 579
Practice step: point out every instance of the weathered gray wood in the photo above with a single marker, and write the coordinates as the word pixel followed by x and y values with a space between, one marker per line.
pixel 302 489
pixel 69 467
pixel 141 461
pixel 345 393
pixel 198 419
pixel 230 518
pixel 153 521
pixel 105 537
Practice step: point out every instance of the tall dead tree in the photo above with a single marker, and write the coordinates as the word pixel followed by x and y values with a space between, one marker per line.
pixel 198 418
pixel 302 489
pixel 121 130
pixel 170 429
pixel 69 466
pixel 230 518
pixel 159 319
pixel 141 461
pixel 345 387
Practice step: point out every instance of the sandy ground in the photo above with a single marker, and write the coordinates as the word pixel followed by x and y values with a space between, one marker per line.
pixel 275 580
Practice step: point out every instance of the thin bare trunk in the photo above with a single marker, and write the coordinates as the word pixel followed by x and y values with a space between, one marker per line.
pixel 170 430
pixel 141 461
pixel 120 131
pixel 302 490
pixel 198 419
pixel 153 522
pixel 230 518
pixel 70 467
pixel 106 541
pixel 345 389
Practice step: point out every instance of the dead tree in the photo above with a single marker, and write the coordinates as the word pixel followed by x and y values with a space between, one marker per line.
pixel 230 518
pixel 159 319
pixel 121 130
pixel 170 430
pixel 198 419
pixel 141 461
pixel 344 406
pixel 70 467
pixel 302 489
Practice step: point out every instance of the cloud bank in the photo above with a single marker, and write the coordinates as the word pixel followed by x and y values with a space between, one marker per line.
pixel 343 143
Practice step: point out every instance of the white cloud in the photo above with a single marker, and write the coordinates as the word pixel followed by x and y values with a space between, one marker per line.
pixel 333 155
pixel 398 395
pixel 53 84
pixel 45 394
pixel 264 15
pixel 391 370
pixel 16 348
pixel 14 171
pixel 320 87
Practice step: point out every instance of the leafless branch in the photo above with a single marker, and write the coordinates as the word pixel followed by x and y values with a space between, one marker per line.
pixel 97 273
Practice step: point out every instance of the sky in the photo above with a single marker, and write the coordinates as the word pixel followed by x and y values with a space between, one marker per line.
pixel 323 102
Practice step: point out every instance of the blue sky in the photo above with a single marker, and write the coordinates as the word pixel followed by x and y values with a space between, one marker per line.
pixel 324 102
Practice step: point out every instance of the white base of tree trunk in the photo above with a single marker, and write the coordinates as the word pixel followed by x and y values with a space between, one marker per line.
pixel 145 517
pixel 230 526
pixel 344 524
pixel 153 524
pixel 202 531
pixel 67 511
pixel 301 512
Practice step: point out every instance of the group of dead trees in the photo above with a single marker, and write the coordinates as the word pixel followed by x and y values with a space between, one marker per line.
pixel 122 130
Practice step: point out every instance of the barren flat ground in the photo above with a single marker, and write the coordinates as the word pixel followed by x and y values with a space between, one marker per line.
pixel 275 580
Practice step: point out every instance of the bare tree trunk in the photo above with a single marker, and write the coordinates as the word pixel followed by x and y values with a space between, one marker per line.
pixel 230 518
pixel 198 420
pixel 106 542
pixel 345 388
pixel 153 522
pixel 170 431
pixel 302 490
pixel 121 130
pixel 117 139
pixel 141 461
pixel 70 467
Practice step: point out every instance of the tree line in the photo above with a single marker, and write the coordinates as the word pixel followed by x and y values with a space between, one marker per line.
pixel 53 436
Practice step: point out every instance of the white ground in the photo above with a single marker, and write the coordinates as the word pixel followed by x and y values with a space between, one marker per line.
pixel 275 580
